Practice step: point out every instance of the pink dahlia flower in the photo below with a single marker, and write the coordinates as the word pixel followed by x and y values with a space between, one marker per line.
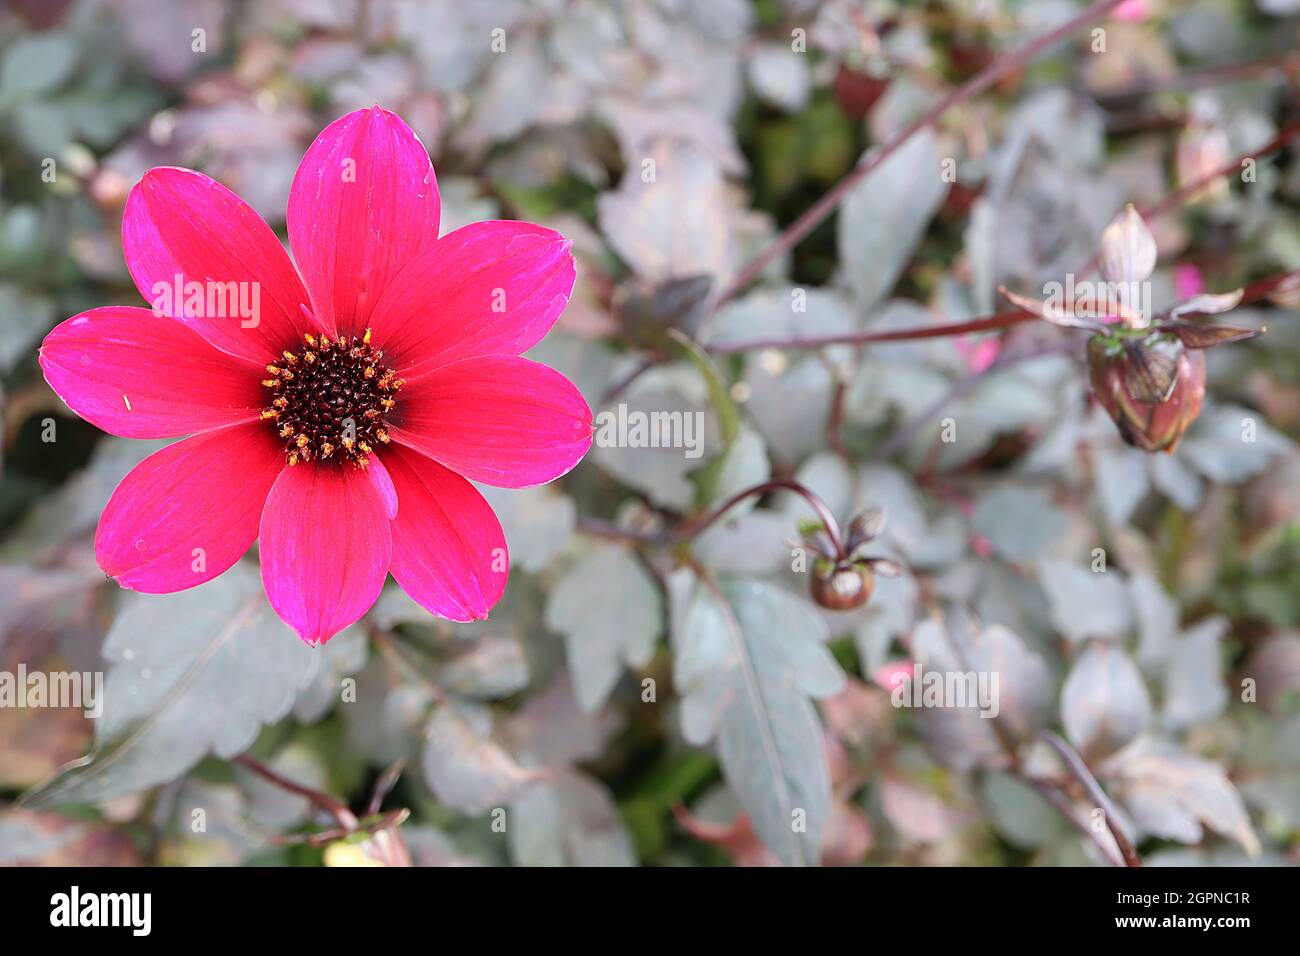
pixel 337 410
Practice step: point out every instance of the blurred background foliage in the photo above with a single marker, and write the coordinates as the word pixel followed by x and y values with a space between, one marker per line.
pixel 1173 672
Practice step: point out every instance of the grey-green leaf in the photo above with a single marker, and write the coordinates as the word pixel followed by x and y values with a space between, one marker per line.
pixel 610 612
pixel 37 63
pixel 886 214
pixel 1104 703
pixel 168 701
pixel 1085 603
pixel 465 767
pixel 748 661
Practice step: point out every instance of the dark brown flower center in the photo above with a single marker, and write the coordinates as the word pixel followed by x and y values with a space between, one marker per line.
pixel 329 399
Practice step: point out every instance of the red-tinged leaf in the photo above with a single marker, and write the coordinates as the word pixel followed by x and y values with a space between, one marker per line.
pixel 1197 336
pixel 1048 312
pixel 1207 304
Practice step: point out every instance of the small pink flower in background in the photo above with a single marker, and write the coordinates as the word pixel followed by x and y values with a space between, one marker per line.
pixel 979 353
pixel 1188 282
pixel 1132 11
pixel 893 674
pixel 337 421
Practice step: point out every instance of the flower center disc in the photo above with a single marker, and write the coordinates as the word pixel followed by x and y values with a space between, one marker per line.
pixel 329 399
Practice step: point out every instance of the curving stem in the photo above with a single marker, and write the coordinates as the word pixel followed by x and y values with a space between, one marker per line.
pixel 693 528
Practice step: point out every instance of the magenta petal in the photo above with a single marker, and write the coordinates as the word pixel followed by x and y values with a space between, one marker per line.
pixel 500 419
pixel 182 223
pixel 364 201
pixel 383 483
pixel 325 548
pixel 491 288
pixel 188 512
pixel 449 553
pixel 130 373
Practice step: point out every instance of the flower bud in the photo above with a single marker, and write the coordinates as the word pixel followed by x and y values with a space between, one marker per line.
pixel 1129 378
pixel 841 585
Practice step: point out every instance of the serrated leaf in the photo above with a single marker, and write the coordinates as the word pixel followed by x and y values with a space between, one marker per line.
pixel 1085 603
pixel 343 656
pixel 1230 444
pixel 37 63
pixel 1157 619
pixel 569 819
pixel 965 737
pixel 1021 522
pixel 465 767
pixel 1021 816
pixel 23 319
pixel 1170 793
pixel 490 667
pixel 1121 479
pixel 789 392
pixel 886 214
pixel 1194 687
pixel 174 660
pixel 1104 703
pixel 747 661
pixel 75 508
pixel 755 543
pixel 538 522
pixel 643 219
pixel 610 612
pixel 667 394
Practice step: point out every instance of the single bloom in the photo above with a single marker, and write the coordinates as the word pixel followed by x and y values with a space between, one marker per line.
pixel 1148 373
pixel 336 411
